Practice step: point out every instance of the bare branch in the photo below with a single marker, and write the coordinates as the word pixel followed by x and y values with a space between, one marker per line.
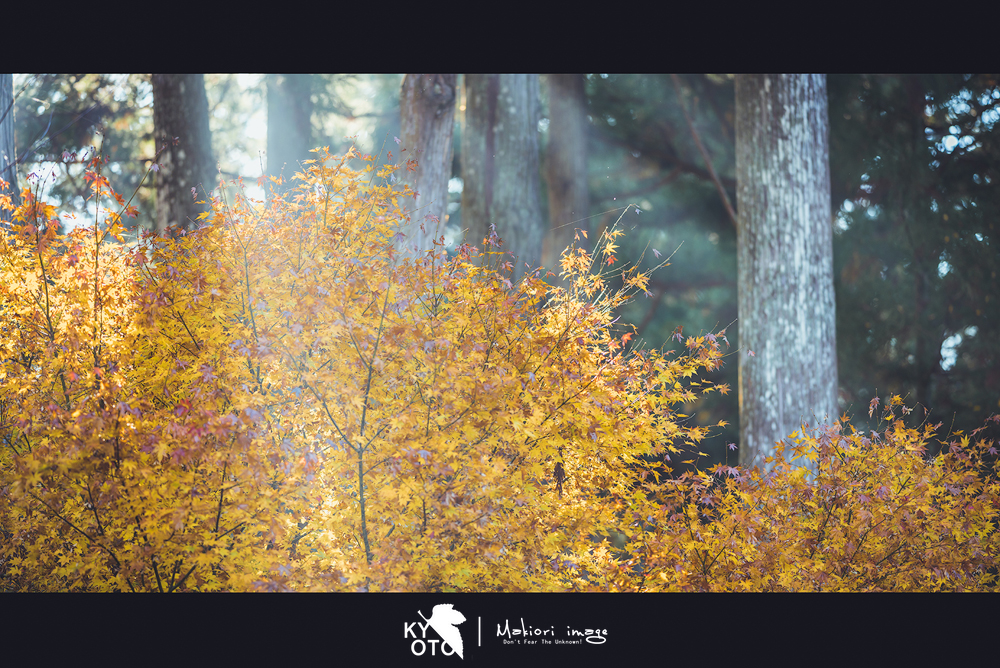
pixel 704 153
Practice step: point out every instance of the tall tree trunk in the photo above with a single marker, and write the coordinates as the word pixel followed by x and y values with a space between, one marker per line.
pixel 289 124
pixel 566 167
pixel 8 151
pixel 500 165
pixel 427 125
pixel 785 260
pixel 180 119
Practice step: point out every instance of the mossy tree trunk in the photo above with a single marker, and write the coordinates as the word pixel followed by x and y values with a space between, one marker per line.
pixel 566 167
pixel 500 165
pixel 180 119
pixel 8 151
pixel 427 126
pixel 785 289
pixel 289 124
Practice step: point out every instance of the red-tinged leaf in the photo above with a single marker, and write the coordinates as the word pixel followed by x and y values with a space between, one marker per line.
pixel 872 406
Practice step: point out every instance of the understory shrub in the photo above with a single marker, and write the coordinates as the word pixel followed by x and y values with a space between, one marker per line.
pixel 276 400
pixel 871 513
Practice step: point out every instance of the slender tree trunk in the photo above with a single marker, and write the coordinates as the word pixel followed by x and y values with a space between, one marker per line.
pixel 566 167
pixel 289 124
pixel 8 151
pixel 500 165
pixel 180 118
pixel 785 254
pixel 427 125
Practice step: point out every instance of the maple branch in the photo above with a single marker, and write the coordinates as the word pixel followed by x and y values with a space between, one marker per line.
pixel 218 513
pixel 829 512
pixel 78 530
pixel 226 533
pixel 156 572
pixel 173 574
pixel 364 415
pixel 322 400
pixel 894 551
pixel 459 416
pixel 181 582
pixel 93 507
pixel 180 317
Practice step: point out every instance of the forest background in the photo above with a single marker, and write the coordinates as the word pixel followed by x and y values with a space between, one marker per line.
pixel 913 163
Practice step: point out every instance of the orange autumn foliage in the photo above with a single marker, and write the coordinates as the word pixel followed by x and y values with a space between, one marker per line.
pixel 876 516
pixel 277 401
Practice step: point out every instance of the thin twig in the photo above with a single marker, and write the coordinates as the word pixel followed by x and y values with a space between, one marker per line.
pixel 704 153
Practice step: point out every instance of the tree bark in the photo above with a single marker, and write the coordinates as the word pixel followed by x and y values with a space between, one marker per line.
pixel 8 150
pixel 289 124
pixel 500 165
pixel 427 125
pixel 566 168
pixel 180 119
pixel 785 260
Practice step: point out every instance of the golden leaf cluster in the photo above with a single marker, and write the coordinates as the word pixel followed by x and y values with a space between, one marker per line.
pixel 277 401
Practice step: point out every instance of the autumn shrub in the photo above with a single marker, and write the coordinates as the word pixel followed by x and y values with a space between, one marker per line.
pixel 876 516
pixel 277 401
